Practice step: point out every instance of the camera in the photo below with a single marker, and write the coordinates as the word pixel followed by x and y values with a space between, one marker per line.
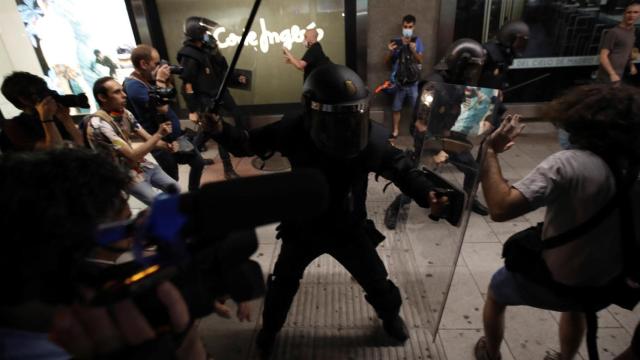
pixel 162 95
pixel 77 101
pixel 174 69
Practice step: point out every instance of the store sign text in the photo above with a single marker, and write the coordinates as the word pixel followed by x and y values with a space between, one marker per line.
pixel 286 37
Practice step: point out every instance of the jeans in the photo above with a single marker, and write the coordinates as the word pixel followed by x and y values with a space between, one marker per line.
pixel 169 161
pixel 154 177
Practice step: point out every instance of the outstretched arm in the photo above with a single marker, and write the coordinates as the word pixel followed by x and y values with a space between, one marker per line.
pixel 504 201
pixel 290 59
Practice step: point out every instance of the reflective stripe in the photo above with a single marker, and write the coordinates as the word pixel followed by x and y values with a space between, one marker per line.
pixel 362 107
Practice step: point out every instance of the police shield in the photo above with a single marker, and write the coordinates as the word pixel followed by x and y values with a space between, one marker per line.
pixel 450 123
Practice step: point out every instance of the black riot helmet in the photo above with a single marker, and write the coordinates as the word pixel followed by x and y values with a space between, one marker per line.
pixel 514 36
pixel 201 29
pixel 464 60
pixel 336 103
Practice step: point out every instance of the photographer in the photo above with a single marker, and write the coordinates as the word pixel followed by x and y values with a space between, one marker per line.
pixel 204 68
pixel 43 123
pixel 148 75
pixel 70 192
pixel 405 60
pixel 110 129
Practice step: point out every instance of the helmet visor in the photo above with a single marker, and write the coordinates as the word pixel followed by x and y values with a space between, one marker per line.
pixel 342 134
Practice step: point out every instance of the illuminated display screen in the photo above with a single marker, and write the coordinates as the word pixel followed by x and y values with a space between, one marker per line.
pixel 78 41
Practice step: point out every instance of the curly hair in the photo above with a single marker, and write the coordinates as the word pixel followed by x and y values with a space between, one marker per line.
pixel 52 203
pixel 602 118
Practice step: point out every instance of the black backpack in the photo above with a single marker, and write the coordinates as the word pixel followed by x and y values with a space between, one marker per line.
pixel 408 69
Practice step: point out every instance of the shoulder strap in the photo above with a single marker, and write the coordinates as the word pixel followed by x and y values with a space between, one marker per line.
pixel 109 120
pixel 622 189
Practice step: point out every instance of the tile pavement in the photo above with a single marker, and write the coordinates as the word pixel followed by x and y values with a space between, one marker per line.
pixel 329 320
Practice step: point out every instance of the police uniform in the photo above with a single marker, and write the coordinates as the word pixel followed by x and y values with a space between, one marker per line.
pixel 342 231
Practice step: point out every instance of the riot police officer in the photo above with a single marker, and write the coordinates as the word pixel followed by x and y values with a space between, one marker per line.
pixel 334 135
pixel 462 65
pixel 509 44
pixel 204 68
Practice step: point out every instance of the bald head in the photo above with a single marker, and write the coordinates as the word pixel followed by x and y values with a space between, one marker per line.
pixel 311 36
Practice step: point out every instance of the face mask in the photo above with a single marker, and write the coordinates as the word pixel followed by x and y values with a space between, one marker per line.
pixel 407 32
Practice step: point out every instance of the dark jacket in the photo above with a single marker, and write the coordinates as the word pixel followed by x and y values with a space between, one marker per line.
pixel 290 138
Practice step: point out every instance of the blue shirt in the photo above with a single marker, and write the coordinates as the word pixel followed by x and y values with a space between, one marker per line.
pixel 145 113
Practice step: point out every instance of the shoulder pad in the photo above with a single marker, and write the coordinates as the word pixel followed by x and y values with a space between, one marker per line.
pixel 494 52
pixel 191 52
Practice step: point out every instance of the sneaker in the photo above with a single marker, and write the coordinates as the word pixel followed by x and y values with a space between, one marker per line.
pixel 480 350
pixel 396 328
pixel 265 341
pixel 479 208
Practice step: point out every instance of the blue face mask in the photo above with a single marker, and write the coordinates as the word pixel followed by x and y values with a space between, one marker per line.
pixel 407 32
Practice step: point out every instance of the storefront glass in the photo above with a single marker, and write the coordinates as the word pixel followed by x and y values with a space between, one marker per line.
pixel 563 44
pixel 277 24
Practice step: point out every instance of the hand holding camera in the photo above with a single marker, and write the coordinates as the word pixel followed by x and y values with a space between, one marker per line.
pixel 47 108
pixel 162 74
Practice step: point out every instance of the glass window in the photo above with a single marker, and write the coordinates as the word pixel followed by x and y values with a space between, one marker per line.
pixel 277 24
pixel 563 45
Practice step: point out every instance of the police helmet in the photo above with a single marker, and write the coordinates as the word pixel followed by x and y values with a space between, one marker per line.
pixel 464 60
pixel 336 103
pixel 200 28
pixel 515 36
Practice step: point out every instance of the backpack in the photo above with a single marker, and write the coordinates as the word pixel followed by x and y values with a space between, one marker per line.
pixel 408 70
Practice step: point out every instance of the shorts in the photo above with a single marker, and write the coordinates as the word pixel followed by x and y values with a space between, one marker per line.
pixel 510 288
pixel 404 92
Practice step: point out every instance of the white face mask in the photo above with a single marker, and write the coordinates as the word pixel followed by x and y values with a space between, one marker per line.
pixel 407 32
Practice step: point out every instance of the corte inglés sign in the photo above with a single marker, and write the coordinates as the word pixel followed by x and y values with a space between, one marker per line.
pixel 266 38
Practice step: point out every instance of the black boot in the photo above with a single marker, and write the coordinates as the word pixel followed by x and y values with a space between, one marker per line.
pixel 396 328
pixel 391 213
pixel 265 341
